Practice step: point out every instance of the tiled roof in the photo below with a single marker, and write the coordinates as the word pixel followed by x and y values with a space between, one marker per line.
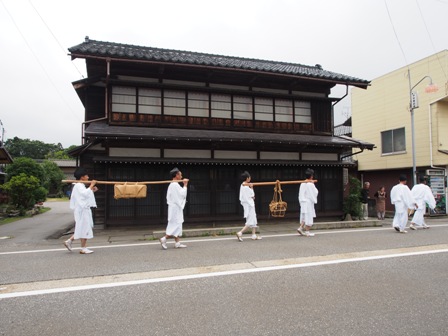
pixel 101 129
pixel 342 130
pixel 64 163
pixel 132 52
pixel 5 157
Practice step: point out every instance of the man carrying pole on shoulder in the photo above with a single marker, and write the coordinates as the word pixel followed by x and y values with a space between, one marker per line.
pixel 176 197
pixel 307 198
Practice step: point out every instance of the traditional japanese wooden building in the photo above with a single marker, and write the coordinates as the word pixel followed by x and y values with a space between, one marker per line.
pixel 148 110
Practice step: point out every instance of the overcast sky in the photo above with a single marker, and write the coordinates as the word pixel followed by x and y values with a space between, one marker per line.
pixel 360 38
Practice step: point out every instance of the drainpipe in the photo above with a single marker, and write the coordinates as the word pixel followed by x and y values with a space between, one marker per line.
pixel 430 148
pixel 332 106
pixel 348 155
pixel 346 93
pixel 430 137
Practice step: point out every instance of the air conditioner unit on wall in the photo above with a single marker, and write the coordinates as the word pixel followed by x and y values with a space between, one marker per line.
pixel 435 172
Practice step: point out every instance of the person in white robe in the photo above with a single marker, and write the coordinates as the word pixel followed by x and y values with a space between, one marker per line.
pixel 82 199
pixel 401 198
pixel 176 197
pixel 247 200
pixel 423 196
pixel 307 199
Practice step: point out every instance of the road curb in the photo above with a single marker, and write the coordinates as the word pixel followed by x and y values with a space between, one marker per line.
pixel 204 232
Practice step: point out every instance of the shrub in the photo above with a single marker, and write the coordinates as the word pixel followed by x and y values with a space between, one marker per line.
pixel 40 194
pixel 53 176
pixel 24 165
pixel 352 203
pixel 24 191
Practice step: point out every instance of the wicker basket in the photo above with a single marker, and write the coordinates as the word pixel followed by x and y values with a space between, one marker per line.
pixel 277 207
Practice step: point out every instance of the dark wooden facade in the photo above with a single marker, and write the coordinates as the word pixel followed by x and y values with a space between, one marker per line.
pixel 148 110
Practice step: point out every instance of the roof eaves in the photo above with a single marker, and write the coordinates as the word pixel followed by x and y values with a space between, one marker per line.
pixel 124 52
pixel 101 130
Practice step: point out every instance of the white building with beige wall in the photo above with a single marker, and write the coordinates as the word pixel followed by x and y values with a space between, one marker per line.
pixel 382 115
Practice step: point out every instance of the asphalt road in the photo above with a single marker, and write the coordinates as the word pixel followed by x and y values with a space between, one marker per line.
pixel 340 282
pixel 34 231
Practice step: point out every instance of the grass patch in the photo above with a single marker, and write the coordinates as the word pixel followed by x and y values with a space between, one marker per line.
pixel 57 199
pixel 8 220
pixel 149 238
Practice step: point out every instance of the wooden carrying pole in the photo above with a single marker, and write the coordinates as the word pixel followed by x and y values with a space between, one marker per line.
pixel 112 182
pixel 275 183
pixel 169 181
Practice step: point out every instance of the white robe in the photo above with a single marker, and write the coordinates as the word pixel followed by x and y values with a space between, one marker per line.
pixel 422 195
pixel 307 198
pixel 401 197
pixel 176 197
pixel 247 196
pixel 81 200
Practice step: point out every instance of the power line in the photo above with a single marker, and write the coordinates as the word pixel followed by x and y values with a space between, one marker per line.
pixel 57 41
pixel 430 39
pixel 395 32
pixel 37 60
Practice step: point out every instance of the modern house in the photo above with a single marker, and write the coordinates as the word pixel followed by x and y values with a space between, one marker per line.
pixel 148 110
pixel 407 117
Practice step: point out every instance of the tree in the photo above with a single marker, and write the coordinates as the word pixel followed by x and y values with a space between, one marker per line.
pixel 352 203
pixel 25 166
pixel 53 176
pixel 33 149
pixel 61 154
pixel 58 155
pixel 24 191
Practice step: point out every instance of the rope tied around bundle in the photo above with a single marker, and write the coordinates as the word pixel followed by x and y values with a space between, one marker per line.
pixel 129 190
pixel 277 207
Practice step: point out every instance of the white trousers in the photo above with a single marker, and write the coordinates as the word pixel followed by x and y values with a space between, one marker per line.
pixel 251 216
pixel 418 218
pixel 307 218
pixel 400 220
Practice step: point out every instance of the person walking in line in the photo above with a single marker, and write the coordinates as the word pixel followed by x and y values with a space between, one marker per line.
pixel 422 195
pixel 401 197
pixel 380 197
pixel 176 197
pixel 81 201
pixel 247 199
pixel 307 198
pixel 365 201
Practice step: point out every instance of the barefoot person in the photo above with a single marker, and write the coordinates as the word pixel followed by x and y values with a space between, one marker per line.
pixel 81 200
pixel 247 199
pixel 307 198
pixel 176 197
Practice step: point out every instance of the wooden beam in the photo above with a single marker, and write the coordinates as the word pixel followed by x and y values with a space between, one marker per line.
pixel 114 182
pixel 281 182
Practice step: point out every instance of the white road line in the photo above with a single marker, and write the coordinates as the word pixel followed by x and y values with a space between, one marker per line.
pixel 215 274
pixel 317 232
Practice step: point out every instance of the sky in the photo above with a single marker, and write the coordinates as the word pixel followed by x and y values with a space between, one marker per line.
pixel 360 38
